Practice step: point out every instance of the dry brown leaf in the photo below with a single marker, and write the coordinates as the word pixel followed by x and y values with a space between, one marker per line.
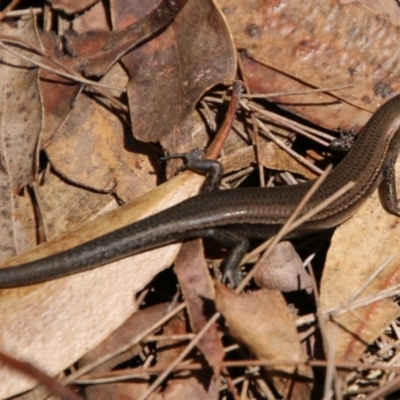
pixel 358 248
pixel 86 143
pixel 197 288
pixel 90 32
pixel 123 39
pixel 20 124
pixel 20 119
pixel 385 8
pixel 322 45
pixel 65 207
pixel 58 93
pixel 93 51
pixel 170 73
pixel 300 40
pixel 320 108
pixel 39 321
pixel 282 270
pixel 91 148
pixel 262 322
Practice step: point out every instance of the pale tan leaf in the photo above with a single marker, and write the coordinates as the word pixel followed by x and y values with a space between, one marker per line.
pixel 300 38
pixel 323 45
pixel 262 322
pixel 20 125
pixel 53 324
pixel 282 270
pixel 358 248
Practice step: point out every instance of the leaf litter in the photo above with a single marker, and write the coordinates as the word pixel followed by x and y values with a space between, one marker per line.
pixel 72 150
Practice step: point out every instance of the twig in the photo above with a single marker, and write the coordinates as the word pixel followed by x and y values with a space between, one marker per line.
pixel 214 149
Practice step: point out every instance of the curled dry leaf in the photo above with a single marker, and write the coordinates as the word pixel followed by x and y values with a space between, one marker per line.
pixel 121 40
pixel 58 93
pixel 262 322
pixel 358 248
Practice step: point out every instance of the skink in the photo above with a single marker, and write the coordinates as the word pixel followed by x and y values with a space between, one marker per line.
pixel 231 215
